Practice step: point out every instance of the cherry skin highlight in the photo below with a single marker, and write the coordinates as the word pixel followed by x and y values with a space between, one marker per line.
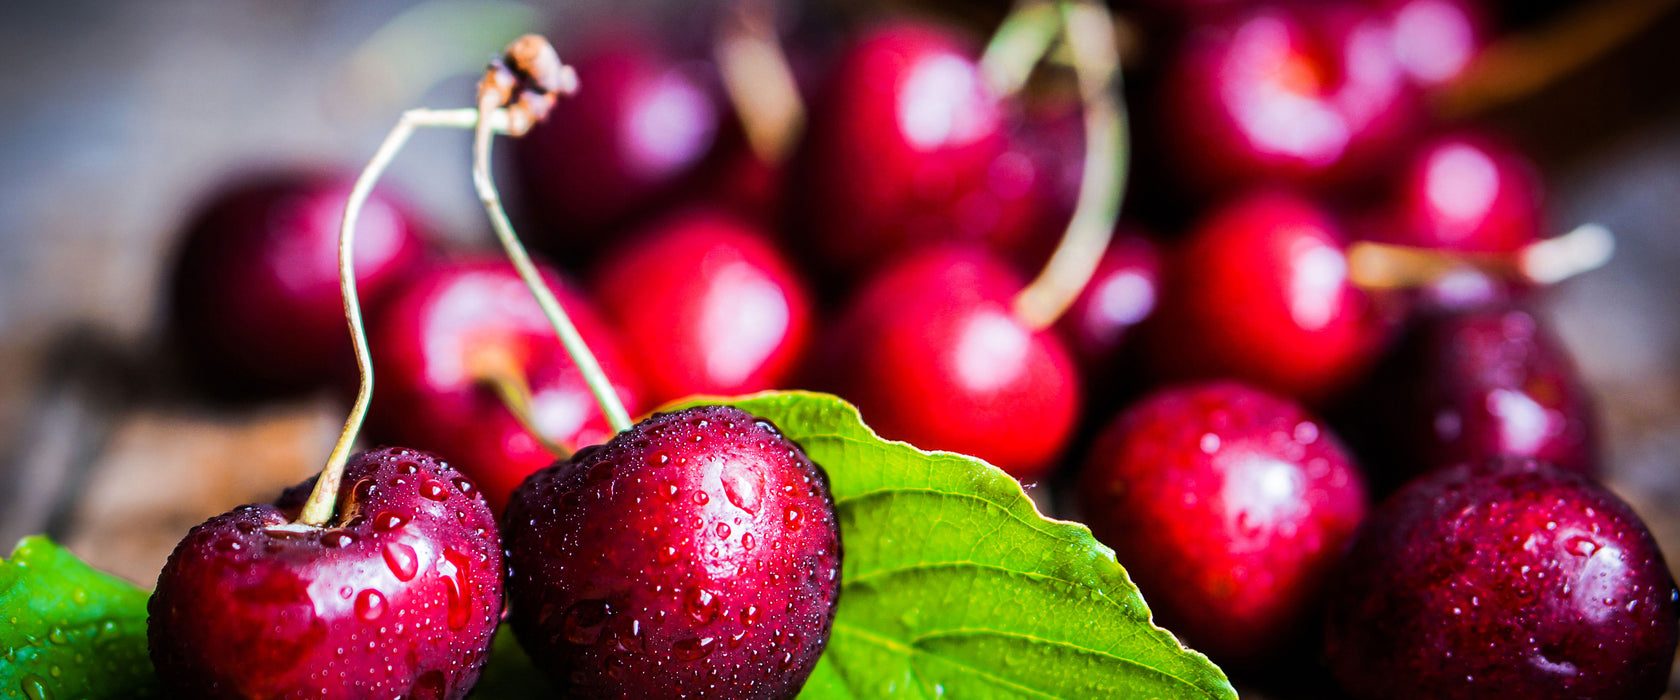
pixel 706 305
pixel 695 555
pixel 400 597
pixel 931 354
pixel 443 332
pixel 1260 292
pixel 906 146
pixel 1508 579
pixel 255 293
pixel 1463 192
pixel 1229 507
pixel 1121 294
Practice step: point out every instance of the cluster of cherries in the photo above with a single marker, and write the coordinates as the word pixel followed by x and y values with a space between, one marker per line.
pixel 1333 253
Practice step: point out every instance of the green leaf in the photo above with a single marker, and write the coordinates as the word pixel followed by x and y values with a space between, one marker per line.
pixel 954 584
pixel 68 630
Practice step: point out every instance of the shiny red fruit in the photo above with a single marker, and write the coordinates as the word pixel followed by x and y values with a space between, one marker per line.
pixel 1435 40
pixel 642 121
pixel 705 304
pixel 436 346
pixel 1260 292
pixel 1121 294
pixel 1283 93
pixel 255 299
pixel 694 555
pixel 932 354
pixel 1510 579
pixel 906 145
pixel 1229 507
pixel 399 597
pixel 1464 192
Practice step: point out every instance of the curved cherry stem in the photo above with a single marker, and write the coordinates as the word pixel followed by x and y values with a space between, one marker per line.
pixel 1020 42
pixel 1090 36
pixel 318 510
pixel 593 375
pixel 1374 265
pixel 758 78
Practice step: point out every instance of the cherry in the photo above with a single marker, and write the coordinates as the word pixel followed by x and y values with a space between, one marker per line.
pixel 931 353
pixel 450 336
pixel 1229 507
pixel 696 554
pixel 706 305
pixel 1121 294
pixel 399 597
pixel 905 146
pixel 1463 192
pixel 1509 578
pixel 1308 95
pixel 1465 386
pixel 1260 292
pixel 254 292
pixel 646 122
pixel 1435 40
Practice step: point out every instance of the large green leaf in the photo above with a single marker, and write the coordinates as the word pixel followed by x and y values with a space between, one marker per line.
pixel 68 630
pixel 954 585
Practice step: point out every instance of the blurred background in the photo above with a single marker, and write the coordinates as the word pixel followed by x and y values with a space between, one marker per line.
pixel 118 121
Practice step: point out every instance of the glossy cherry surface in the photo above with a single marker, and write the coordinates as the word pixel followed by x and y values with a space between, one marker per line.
pixel 1434 41
pixel 1466 386
pixel 443 336
pixel 1229 507
pixel 1260 292
pixel 1121 294
pixel 642 121
pixel 931 353
pixel 1282 92
pixel 705 304
pixel 255 300
pixel 695 555
pixel 399 597
pixel 1464 192
pixel 1504 580
pixel 905 146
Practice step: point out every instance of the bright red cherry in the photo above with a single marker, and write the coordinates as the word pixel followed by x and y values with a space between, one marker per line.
pixel 931 353
pixel 1121 294
pixel 1260 292
pixel 1509 579
pixel 906 145
pixel 1228 506
pixel 705 304
pixel 1466 386
pixel 399 597
pixel 642 122
pixel 1463 192
pixel 1285 93
pixel 255 293
pixel 1435 40
pixel 439 343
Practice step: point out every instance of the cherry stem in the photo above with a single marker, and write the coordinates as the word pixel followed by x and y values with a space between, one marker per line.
pixel 1090 38
pixel 1019 43
pixel 759 80
pixel 593 375
pixel 318 510
pixel 1387 266
pixel 495 367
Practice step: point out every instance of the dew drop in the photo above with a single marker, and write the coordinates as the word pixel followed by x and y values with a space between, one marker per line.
pixel 453 567
pixel 370 605
pixel 742 486
pixel 35 688
pixel 723 531
pixel 338 538
pixel 463 484
pixel 434 490
pixel 665 554
pixel 700 498
pixel 669 491
pixel 229 546
pixel 749 615
pixel 747 541
pixel 702 605
pixel 387 521
pixel 402 560
pixel 693 649
pixel 792 517
pixel 408 468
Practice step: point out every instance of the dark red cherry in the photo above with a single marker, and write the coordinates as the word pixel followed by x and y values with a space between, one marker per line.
pixel 255 301
pixel 1229 507
pixel 436 345
pixel 906 145
pixel 1463 192
pixel 1259 291
pixel 1282 93
pixel 694 555
pixel 642 121
pixel 932 354
pixel 1465 386
pixel 705 304
pixel 1510 579
pixel 1121 294
pixel 399 597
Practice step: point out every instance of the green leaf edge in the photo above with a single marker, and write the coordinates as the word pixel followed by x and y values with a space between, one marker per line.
pixel 771 405
pixel 106 614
